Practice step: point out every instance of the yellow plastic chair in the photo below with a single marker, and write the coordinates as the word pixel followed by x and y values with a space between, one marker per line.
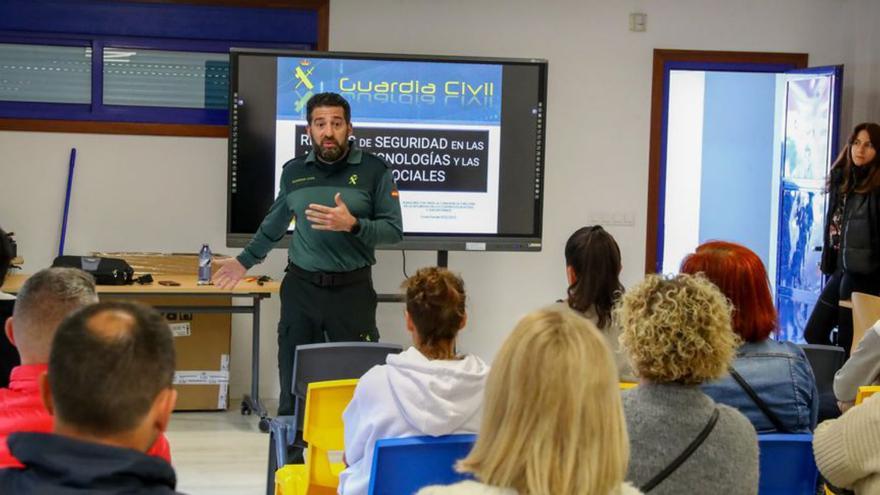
pixel 323 431
pixel 865 392
pixel 628 385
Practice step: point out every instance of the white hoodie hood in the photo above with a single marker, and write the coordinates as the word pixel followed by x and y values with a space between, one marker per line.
pixel 437 397
pixel 409 396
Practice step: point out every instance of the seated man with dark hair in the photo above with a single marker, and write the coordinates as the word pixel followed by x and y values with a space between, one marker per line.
pixel 44 300
pixel 8 356
pixel 5 255
pixel 109 387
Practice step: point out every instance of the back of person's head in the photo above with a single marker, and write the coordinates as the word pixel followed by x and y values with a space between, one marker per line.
pixel 327 100
pixel 592 258
pixel 677 330
pixel 435 303
pixel 552 417
pixel 5 255
pixel 109 362
pixel 45 299
pixel 740 275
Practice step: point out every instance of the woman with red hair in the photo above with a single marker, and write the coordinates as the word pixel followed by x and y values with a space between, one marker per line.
pixel 770 382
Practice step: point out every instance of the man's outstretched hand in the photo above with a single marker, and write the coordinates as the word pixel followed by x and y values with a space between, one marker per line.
pixel 230 273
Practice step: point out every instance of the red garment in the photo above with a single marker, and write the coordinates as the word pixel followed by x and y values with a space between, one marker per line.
pixel 21 409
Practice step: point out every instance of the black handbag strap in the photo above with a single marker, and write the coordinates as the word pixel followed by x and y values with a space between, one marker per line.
pixel 678 461
pixel 757 400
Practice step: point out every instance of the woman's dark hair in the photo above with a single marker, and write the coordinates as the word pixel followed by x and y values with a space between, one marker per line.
pixel 595 258
pixel 5 255
pixel 841 174
pixel 435 300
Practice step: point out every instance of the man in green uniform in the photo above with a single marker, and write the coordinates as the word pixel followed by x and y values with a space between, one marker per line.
pixel 344 202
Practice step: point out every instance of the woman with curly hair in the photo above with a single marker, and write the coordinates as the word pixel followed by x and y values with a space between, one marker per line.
pixel 429 389
pixel 678 335
pixel 544 432
pixel 776 373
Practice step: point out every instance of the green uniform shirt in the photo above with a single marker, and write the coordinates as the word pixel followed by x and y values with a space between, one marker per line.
pixel 367 188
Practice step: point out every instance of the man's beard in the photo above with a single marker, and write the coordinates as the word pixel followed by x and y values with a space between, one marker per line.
pixel 330 154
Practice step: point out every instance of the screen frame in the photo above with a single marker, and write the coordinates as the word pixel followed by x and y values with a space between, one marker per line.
pixel 418 242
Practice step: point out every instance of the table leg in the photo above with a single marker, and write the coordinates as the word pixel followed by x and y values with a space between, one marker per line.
pixel 252 403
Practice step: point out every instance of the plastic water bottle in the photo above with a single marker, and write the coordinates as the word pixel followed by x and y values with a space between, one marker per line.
pixel 205 259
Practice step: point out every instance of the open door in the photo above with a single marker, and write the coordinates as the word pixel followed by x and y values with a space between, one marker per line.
pixel 809 109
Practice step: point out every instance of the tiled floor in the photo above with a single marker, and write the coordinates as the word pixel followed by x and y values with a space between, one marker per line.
pixel 219 453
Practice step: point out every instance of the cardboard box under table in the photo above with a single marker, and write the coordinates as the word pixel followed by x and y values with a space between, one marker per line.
pixel 202 342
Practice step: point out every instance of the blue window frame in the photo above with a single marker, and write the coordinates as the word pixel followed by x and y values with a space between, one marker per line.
pixel 146 62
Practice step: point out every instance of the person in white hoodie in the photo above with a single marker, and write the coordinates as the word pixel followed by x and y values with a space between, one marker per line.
pixel 428 389
pixel 553 421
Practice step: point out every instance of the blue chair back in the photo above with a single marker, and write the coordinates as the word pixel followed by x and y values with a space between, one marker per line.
pixel 403 466
pixel 787 464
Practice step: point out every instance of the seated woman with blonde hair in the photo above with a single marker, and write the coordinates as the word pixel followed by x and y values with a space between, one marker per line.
pixel 552 422
pixel 678 335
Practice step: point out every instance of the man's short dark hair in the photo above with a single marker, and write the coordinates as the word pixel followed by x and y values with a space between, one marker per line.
pixel 5 255
pixel 327 100
pixel 105 377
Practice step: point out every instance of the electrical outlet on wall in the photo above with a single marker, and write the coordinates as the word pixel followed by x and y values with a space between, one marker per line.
pixel 622 219
pixel 613 218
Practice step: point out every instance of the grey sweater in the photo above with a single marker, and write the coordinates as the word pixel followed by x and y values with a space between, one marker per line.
pixel 663 419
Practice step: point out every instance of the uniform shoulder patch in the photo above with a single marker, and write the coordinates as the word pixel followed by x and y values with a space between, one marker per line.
pixel 377 158
pixel 297 160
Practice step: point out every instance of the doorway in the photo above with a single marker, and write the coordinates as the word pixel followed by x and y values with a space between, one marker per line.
pixel 740 144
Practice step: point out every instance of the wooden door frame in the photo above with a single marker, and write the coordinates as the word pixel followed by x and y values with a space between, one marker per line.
pixel 695 59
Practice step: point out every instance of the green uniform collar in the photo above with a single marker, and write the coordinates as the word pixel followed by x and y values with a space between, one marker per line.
pixel 355 156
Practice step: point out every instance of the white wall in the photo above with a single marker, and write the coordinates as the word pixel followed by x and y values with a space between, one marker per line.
pixel 168 194
pixel 684 166
pixel 865 66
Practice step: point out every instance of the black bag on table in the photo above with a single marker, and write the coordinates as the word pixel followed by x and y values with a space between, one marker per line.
pixel 107 271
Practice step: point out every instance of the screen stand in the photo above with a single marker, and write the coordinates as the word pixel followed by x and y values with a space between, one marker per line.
pixel 442 262
pixel 443 258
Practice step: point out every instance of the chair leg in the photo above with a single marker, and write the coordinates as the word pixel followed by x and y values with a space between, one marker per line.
pixel 272 466
pixel 295 455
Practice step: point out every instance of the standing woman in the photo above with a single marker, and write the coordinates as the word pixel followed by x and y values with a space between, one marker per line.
pixel 851 250
pixel 592 267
